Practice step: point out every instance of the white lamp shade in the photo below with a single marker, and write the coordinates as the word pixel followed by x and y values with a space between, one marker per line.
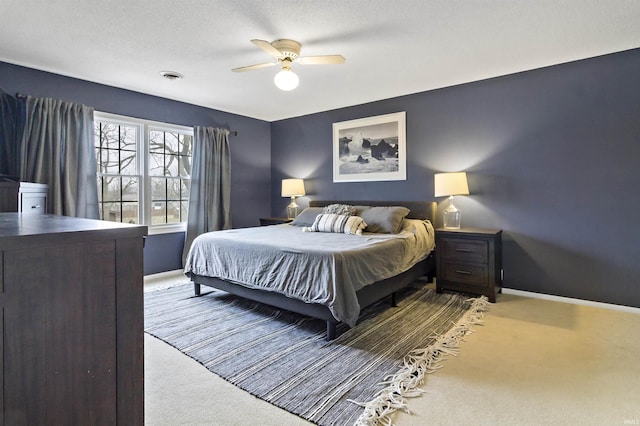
pixel 286 80
pixel 292 187
pixel 446 184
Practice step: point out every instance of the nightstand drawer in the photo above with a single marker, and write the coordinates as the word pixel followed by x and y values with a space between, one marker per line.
pixel 465 250
pixel 466 273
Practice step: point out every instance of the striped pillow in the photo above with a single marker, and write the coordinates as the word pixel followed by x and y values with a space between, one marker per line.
pixel 337 223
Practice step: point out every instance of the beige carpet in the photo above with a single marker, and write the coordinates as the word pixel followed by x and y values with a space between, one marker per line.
pixel 533 362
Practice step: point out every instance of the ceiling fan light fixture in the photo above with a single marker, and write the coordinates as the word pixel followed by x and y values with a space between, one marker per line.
pixel 285 52
pixel 286 79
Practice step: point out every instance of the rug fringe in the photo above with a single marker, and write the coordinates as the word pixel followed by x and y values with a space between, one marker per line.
pixel 404 384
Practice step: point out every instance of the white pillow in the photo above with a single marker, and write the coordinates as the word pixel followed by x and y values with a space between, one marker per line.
pixel 337 223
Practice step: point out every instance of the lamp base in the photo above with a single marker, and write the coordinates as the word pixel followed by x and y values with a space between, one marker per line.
pixel 292 209
pixel 451 216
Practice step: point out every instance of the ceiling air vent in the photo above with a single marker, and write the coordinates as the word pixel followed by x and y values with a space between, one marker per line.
pixel 171 75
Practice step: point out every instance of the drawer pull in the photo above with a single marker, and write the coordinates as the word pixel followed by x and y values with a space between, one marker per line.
pixel 464 250
pixel 37 206
pixel 459 271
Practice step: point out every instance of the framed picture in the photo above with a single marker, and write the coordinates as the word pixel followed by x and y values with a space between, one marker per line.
pixel 370 149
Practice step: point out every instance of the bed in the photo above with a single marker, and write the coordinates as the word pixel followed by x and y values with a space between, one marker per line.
pixel 330 276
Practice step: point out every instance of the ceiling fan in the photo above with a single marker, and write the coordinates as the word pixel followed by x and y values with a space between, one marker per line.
pixel 286 52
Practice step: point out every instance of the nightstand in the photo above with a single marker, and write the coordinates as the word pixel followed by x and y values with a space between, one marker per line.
pixel 469 260
pixel 264 221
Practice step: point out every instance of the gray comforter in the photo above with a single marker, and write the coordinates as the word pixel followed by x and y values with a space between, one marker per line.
pixel 315 267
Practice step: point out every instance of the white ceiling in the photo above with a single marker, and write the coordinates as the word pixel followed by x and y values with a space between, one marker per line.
pixel 391 47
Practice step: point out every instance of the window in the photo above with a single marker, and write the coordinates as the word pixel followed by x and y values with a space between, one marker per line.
pixel 169 170
pixel 118 175
pixel 143 171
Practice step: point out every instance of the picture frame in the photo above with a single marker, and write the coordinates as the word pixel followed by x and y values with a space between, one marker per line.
pixel 370 149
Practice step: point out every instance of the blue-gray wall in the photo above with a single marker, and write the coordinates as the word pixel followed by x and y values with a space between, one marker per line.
pixel 552 155
pixel 250 149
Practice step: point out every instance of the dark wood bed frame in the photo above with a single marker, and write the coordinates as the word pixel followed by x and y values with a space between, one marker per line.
pixel 366 296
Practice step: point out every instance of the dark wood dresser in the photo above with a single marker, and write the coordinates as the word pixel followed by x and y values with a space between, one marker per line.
pixel 469 260
pixel 71 330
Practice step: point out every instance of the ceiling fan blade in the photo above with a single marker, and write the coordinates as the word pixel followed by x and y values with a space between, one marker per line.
pixel 267 47
pixel 326 59
pixel 254 67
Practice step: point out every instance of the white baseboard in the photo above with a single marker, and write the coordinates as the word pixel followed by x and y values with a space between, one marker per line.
pixel 571 300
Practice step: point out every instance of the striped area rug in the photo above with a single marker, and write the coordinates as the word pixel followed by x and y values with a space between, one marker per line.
pixel 283 358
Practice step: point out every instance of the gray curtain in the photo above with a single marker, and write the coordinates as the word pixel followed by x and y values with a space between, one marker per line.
pixel 210 193
pixel 8 134
pixel 57 148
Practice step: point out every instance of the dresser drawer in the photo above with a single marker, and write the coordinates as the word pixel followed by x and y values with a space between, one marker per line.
pixel 465 250
pixel 34 203
pixel 466 273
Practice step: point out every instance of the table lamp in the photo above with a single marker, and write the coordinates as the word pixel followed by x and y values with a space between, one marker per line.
pixel 292 188
pixel 448 185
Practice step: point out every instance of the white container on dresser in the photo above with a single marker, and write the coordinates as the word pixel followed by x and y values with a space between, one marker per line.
pixel 23 197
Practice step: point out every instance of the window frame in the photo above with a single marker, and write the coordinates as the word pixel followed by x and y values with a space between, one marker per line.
pixel 143 128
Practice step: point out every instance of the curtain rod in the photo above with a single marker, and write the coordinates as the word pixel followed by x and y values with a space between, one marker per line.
pixel 21 96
